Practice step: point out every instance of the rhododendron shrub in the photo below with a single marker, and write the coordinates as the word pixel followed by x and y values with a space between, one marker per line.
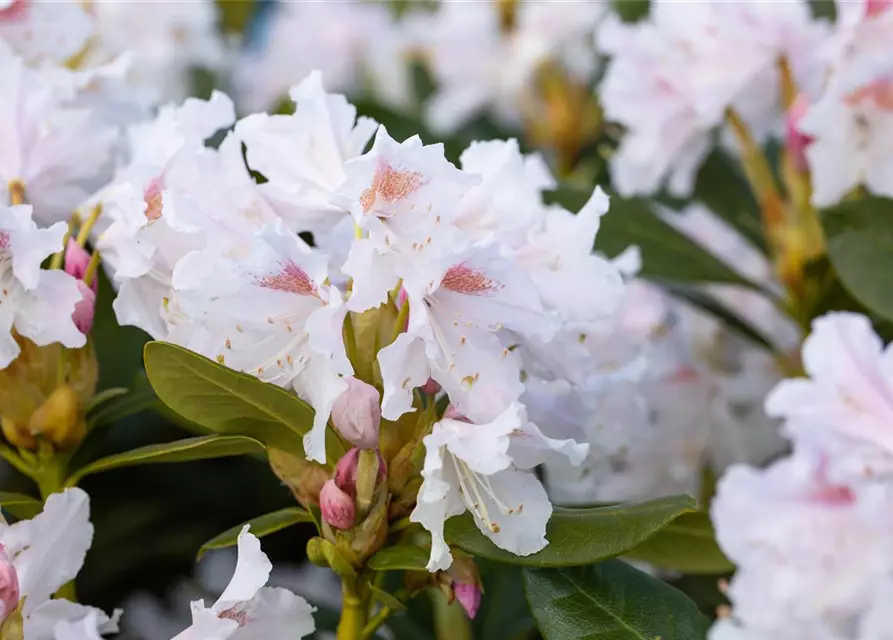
pixel 492 320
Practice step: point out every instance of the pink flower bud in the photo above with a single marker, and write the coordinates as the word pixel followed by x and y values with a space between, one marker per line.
pixel 469 596
pixel 15 11
pixel 452 413
pixel 76 260
pixel 356 414
pixel 875 7
pixel 9 585
pixel 336 506
pixel 796 140
pixel 346 471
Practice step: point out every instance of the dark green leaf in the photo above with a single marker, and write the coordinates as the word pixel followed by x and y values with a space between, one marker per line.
pixel 610 601
pixel 401 557
pixel 688 544
pixel 226 401
pixel 860 245
pixel 261 526
pixel 187 450
pixel 579 536
pixel 504 614
pixel 722 189
pixel 20 505
pixel 666 253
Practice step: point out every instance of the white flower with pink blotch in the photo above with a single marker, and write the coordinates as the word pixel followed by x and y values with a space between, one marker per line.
pixel 270 314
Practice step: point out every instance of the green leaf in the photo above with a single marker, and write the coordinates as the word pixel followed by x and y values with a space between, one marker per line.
pixel 119 405
pixel 504 614
pixel 20 505
pixel 386 598
pixel 260 526
pixel 200 448
pixel 579 536
pixel 860 245
pixel 688 544
pixel 610 601
pixel 667 254
pixel 226 401
pixel 721 187
pixel 401 557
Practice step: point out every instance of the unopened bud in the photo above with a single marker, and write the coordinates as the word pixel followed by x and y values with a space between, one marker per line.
pixel 795 140
pixel 17 434
pixel 469 596
pixel 84 309
pixel 59 418
pixel 9 585
pixel 336 506
pixel 356 414
pixel 76 261
pixel 346 471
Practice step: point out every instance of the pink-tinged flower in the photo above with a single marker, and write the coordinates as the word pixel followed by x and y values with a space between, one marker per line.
pixel 346 471
pixel 457 320
pixel 356 414
pixel 485 468
pixel 809 549
pixel 405 197
pixel 303 155
pixel 469 596
pixel 849 391
pixel 44 33
pixel 35 302
pixel 337 506
pixel 36 560
pixel 272 315
pixel 248 609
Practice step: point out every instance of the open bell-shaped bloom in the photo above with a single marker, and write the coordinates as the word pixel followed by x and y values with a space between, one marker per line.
pixel 405 196
pixel 35 302
pixel 302 155
pixel 44 553
pixel 485 468
pixel 453 336
pixel 271 315
pixel 247 609
pixel 849 390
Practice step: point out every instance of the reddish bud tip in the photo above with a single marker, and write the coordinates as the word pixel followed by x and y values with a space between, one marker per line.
pixel 9 585
pixel 469 596
pixel 84 310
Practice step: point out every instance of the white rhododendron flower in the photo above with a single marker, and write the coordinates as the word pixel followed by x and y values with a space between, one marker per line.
pixel 59 152
pixel 672 77
pixel 34 302
pixel 485 468
pixel 270 314
pixel 302 156
pixel 42 554
pixel 249 609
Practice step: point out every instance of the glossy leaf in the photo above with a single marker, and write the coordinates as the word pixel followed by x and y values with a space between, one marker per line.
pixel 226 401
pixel 401 557
pixel 610 601
pixel 201 448
pixel 688 544
pixel 123 403
pixel 20 505
pixel 667 253
pixel 579 536
pixel 860 245
pixel 261 526
pixel 386 598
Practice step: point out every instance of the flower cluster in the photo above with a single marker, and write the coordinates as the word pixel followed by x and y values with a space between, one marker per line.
pixel 810 533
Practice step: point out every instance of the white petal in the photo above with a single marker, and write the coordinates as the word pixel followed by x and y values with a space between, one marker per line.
pixel 404 366
pixel 252 570
pixel 276 613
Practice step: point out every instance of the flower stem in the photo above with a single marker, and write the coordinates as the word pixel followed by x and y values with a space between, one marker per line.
pixel 353 612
